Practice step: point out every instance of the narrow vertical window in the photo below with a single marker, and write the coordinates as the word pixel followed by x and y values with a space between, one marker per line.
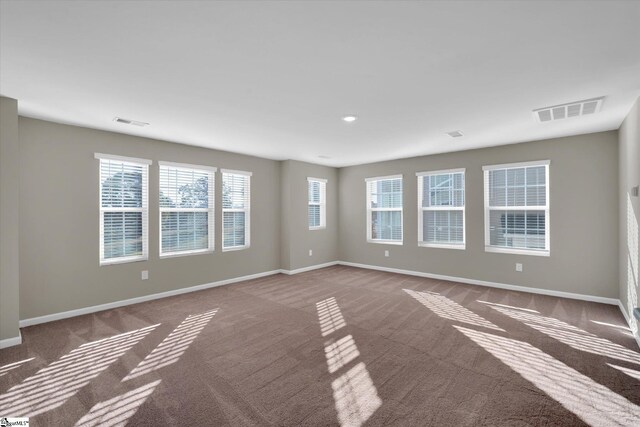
pixel 384 209
pixel 317 188
pixel 236 201
pixel 124 209
pixel 186 209
pixel 441 202
pixel 517 208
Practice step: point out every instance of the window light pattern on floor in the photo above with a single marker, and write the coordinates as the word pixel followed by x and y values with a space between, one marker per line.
pixel 631 372
pixel 448 309
pixel 174 345
pixel 50 387
pixel 572 336
pixel 589 400
pixel 355 395
pixel 330 316
pixel 6 368
pixel 116 412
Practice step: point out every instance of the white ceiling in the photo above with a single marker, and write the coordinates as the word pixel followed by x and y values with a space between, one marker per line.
pixel 273 79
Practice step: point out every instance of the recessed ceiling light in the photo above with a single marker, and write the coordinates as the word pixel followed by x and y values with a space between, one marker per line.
pixel 455 134
pixel 130 122
pixel 350 118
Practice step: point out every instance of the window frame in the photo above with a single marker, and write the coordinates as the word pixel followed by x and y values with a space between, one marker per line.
pixel 546 209
pixel 210 171
pixel 370 210
pixel 144 209
pixel 322 204
pixel 246 210
pixel 421 209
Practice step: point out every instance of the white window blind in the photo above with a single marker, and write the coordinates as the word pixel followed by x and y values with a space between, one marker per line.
pixel 441 209
pixel 236 202
pixel 384 209
pixel 124 209
pixel 517 208
pixel 186 209
pixel 317 203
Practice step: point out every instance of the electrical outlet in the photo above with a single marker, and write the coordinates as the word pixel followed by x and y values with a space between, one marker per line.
pixel 145 274
pixel 518 267
pixel 386 253
pixel 310 252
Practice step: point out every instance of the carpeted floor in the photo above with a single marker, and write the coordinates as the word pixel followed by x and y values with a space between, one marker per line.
pixel 334 346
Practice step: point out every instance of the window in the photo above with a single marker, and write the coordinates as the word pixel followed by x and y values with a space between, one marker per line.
pixel 517 208
pixel 236 197
pixel 384 210
pixel 186 209
pixel 123 209
pixel 317 203
pixel 441 209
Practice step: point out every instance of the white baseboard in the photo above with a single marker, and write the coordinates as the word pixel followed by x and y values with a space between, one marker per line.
pixel 604 300
pixel 311 267
pixel 115 304
pixel 10 342
pixel 628 319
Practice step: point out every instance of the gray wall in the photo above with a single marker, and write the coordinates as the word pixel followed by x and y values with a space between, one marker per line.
pixel 59 220
pixel 9 218
pixel 583 218
pixel 629 135
pixel 297 239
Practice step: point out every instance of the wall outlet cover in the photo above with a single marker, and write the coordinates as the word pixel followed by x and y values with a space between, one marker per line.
pixel 386 253
pixel 145 274
pixel 518 266
pixel 310 252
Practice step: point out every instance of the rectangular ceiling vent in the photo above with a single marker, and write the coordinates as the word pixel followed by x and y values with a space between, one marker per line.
pixel 571 109
pixel 130 122
pixel 455 134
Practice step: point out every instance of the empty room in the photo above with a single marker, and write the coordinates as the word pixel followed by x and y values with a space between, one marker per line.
pixel 319 213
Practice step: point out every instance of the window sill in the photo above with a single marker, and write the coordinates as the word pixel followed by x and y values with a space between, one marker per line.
pixel 385 242
pixel 185 253
pixel 442 246
pixel 235 248
pixel 516 251
pixel 122 260
pixel 318 228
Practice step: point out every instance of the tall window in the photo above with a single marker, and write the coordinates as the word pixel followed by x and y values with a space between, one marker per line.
pixel 186 209
pixel 123 209
pixel 517 208
pixel 441 209
pixel 384 209
pixel 317 203
pixel 236 198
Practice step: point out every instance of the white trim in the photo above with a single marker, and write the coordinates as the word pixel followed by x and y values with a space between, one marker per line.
pixel 235 248
pixel 10 342
pixel 628 320
pixel 441 172
pixel 185 253
pixel 561 294
pixel 516 251
pixel 517 165
pixel 317 179
pixel 461 247
pixel 137 300
pixel 187 166
pixel 379 178
pixel 123 260
pixel 385 242
pixel 310 268
pixel 236 172
pixel 101 156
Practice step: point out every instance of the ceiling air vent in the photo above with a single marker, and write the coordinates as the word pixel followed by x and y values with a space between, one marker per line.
pixel 130 122
pixel 455 134
pixel 571 109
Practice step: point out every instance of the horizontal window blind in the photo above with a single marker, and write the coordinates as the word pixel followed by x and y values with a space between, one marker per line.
pixel 186 209
pixel 123 209
pixel 236 202
pixel 517 207
pixel 384 209
pixel 317 189
pixel 441 208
